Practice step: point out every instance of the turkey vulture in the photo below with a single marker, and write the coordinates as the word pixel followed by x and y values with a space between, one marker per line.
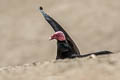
pixel 66 48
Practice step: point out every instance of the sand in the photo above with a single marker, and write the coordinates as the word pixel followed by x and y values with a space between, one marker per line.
pixel 100 68
pixel 93 25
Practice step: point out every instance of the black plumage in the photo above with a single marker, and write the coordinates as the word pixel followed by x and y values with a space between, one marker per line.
pixel 67 48
pixel 64 50
pixel 69 41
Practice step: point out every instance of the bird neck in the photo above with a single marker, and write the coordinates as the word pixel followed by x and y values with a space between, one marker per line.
pixel 64 41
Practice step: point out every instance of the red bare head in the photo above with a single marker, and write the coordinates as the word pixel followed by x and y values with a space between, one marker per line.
pixel 59 35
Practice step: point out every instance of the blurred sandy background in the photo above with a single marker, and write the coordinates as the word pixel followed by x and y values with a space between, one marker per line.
pixel 27 54
pixel 93 24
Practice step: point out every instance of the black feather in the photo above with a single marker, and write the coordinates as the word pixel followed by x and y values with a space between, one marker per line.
pixel 58 27
pixel 96 53
pixel 67 48
pixel 41 8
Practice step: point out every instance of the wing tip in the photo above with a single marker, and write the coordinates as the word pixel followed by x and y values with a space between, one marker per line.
pixel 41 8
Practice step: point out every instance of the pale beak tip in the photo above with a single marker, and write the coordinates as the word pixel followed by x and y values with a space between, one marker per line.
pixel 50 38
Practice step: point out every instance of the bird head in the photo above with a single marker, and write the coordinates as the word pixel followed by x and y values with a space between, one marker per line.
pixel 59 35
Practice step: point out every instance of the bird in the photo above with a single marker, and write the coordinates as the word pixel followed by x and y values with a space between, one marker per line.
pixel 66 47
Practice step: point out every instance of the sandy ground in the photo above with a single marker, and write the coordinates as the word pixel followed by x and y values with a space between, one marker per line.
pixel 93 24
pixel 99 68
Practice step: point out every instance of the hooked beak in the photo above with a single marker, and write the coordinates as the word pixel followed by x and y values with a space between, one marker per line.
pixel 50 38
